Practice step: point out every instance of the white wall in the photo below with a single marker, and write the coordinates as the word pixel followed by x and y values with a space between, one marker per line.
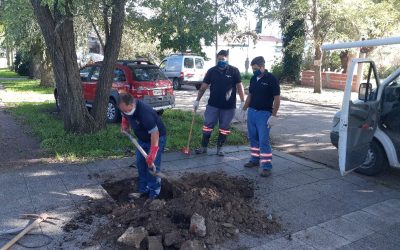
pixel 3 63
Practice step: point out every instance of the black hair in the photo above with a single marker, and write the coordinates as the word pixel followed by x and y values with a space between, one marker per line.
pixel 125 98
pixel 223 53
pixel 259 60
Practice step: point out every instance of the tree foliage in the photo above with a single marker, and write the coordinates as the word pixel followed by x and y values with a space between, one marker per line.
pixel 182 25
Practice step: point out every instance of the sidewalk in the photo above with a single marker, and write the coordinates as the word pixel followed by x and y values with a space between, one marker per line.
pixel 317 207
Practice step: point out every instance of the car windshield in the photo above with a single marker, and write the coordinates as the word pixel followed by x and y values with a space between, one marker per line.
pixel 148 74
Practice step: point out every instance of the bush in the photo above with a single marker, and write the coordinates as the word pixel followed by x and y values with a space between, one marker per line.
pixel 277 69
pixel 384 72
pixel 246 76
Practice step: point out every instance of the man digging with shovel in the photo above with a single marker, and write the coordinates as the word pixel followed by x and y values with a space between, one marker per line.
pixel 152 137
pixel 223 80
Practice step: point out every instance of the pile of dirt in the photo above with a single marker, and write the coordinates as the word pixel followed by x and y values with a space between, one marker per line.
pixel 223 201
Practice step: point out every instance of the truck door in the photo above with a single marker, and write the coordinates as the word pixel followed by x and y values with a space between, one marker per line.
pixel 359 116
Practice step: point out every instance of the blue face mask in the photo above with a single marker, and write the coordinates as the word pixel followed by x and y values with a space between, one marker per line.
pixel 222 64
pixel 257 72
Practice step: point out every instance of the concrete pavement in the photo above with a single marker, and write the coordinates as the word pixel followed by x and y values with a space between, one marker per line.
pixel 318 208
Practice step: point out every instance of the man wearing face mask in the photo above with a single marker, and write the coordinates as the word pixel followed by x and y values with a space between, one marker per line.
pixel 224 80
pixel 263 104
pixel 152 137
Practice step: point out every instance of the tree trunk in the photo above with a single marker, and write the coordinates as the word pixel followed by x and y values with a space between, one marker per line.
pixel 8 56
pixel 35 65
pixel 317 69
pixel 58 33
pixel 111 51
pixel 46 72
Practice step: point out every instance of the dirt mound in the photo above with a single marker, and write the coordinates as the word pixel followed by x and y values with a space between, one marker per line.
pixel 223 201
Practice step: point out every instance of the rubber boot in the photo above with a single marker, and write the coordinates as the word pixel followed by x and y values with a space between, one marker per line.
pixel 204 144
pixel 220 143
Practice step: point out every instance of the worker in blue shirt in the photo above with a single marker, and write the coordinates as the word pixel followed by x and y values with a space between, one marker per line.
pixel 224 81
pixel 152 137
pixel 263 103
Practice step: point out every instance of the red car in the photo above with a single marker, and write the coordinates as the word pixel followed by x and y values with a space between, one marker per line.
pixel 141 78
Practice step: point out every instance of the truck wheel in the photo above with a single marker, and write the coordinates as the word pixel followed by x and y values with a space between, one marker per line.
pixel 198 86
pixel 376 161
pixel 176 84
pixel 113 113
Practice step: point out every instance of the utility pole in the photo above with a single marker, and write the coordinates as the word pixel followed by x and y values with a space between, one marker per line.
pixel 216 31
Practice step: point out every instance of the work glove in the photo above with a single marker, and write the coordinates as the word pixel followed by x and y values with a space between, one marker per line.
pixel 124 125
pixel 271 121
pixel 196 105
pixel 151 156
pixel 242 113
pixel 241 105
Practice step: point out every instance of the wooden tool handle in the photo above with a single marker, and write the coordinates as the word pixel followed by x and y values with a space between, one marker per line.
pixel 141 150
pixel 191 129
pixel 23 232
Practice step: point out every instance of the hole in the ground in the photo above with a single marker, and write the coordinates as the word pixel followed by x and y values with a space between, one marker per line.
pixel 120 190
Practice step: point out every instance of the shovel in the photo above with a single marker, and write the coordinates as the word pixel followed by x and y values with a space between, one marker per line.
pixel 186 150
pixel 153 171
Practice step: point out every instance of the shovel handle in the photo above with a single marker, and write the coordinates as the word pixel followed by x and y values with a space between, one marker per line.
pixel 141 150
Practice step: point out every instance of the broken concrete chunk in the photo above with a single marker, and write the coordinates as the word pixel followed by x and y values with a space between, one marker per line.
pixel 228 225
pixel 172 238
pixel 157 205
pixel 155 243
pixel 192 245
pixel 133 237
pixel 198 225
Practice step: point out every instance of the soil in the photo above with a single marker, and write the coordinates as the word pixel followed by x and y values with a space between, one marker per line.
pixel 224 202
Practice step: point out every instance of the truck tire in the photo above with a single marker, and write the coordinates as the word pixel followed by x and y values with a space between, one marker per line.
pixel 198 86
pixel 376 161
pixel 176 84
pixel 113 113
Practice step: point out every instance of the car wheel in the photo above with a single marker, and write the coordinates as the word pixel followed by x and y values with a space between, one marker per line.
pixel 177 84
pixel 113 113
pixel 375 161
pixel 198 86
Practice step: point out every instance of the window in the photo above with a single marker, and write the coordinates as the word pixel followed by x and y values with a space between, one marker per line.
pixel 119 75
pixel 174 64
pixel 148 74
pixel 95 74
pixel 163 64
pixel 85 73
pixel 188 63
pixel 199 63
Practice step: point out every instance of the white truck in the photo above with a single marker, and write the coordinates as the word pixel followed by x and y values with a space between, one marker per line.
pixel 367 129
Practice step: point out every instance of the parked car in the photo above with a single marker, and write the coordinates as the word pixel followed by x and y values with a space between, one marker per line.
pixel 184 69
pixel 141 78
pixel 367 131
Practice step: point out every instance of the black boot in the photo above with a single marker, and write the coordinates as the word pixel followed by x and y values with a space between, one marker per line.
pixel 220 143
pixel 204 144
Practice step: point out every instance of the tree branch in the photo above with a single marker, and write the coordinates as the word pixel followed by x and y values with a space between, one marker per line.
pixel 98 34
pixel 105 19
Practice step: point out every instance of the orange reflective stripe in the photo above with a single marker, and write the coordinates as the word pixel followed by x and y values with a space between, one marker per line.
pixel 265 161
pixel 255 155
pixel 255 149
pixel 266 155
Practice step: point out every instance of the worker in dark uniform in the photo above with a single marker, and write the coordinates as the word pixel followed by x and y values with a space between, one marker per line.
pixel 224 81
pixel 152 137
pixel 263 104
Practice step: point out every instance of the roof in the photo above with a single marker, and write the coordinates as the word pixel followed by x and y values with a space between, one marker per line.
pixel 270 39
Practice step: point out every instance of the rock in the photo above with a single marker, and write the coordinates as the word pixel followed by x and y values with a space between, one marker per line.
pixel 269 217
pixel 228 225
pixel 133 237
pixel 155 243
pixel 198 225
pixel 192 245
pixel 172 238
pixel 157 205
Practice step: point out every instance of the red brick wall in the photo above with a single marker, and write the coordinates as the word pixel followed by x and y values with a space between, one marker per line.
pixel 330 80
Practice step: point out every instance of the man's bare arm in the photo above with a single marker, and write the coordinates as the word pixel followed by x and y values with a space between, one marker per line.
pixel 247 103
pixel 240 91
pixel 202 90
pixel 277 103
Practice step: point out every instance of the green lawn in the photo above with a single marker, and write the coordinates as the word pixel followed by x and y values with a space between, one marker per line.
pixel 5 73
pixel 45 123
pixel 26 85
